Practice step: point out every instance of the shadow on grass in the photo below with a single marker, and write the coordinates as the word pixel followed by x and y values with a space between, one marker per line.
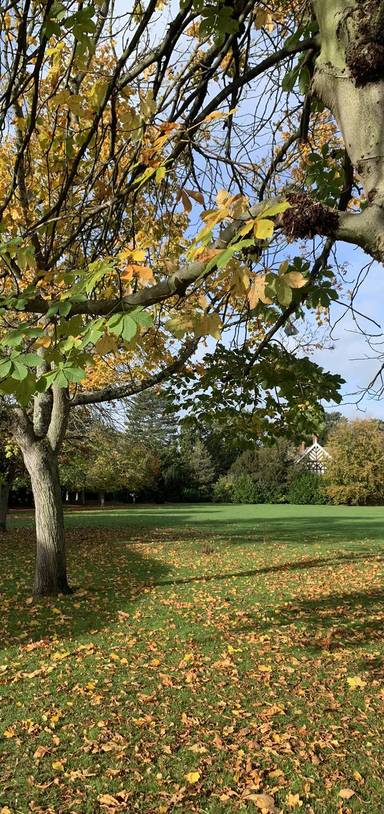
pixel 333 622
pixel 354 524
pixel 303 525
pixel 109 575
pixel 299 565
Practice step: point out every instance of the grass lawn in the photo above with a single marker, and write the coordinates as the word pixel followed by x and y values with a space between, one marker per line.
pixel 214 659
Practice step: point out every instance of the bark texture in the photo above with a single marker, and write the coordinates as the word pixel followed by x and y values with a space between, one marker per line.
pixel 51 567
pixel 357 103
pixel 39 437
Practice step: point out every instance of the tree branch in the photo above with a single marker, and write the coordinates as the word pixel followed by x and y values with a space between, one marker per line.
pixel 115 392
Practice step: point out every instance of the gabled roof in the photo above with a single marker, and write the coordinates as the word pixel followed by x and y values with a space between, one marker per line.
pixel 313 452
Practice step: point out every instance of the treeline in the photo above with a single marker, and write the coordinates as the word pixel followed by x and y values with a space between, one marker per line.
pixel 150 454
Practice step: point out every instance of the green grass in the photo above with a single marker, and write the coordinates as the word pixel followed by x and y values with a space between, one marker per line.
pixel 243 644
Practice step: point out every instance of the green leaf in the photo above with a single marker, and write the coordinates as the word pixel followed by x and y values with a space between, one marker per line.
pixel 143 318
pixel 19 371
pixel 283 292
pixel 275 209
pixel 5 368
pixel 129 328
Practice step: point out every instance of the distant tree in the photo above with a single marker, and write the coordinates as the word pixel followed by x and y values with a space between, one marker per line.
pixel 115 464
pixel 149 419
pixel 201 468
pixel 355 475
pixel 267 467
pixel 11 466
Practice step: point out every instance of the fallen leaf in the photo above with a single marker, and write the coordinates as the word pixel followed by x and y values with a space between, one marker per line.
pixel 108 800
pixel 10 732
pixel 192 777
pixel 263 801
pixel 346 794
pixel 356 681
pixel 40 752
pixel 293 801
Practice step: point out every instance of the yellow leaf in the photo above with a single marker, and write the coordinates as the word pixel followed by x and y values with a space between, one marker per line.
pixel 358 777
pixel 257 292
pixel 60 655
pixel 263 229
pixel 108 800
pixel 217 114
pixel 10 732
pixel 138 255
pixel 43 342
pixel 58 766
pixel 246 228
pixel 295 279
pixel 208 325
pixel 293 801
pixel 160 174
pixel 346 794
pixel 263 19
pixel 192 777
pixel 356 681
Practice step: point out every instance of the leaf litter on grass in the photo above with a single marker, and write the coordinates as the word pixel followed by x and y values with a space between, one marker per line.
pixel 246 679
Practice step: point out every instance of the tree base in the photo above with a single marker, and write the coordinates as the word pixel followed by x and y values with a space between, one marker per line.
pixel 61 588
pixel 64 588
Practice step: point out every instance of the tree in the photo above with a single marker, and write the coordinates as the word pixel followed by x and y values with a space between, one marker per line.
pixel 267 467
pixel 10 466
pixel 115 130
pixel 355 475
pixel 150 420
pixel 201 468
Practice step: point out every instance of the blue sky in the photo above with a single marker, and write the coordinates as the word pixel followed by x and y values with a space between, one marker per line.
pixel 347 353
pixel 350 354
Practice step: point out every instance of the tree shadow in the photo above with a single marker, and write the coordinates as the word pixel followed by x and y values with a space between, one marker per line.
pixel 108 570
pixel 299 565
pixel 337 621
pixel 282 523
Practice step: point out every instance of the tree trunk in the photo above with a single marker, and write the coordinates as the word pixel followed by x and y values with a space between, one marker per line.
pixel 4 496
pixel 51 571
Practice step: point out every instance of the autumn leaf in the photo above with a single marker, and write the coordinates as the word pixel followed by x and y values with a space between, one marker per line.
pixel 355 682
pixel 295 279
pixel 293 801
pixel 263 229
pixel 192 777
pixel 107 800
pixel 257 292
pixel 10 732
pixel 143 273
pixel 263 801
pixel 185 201
pixel 346 794
pixel 40 752
pixel 58 766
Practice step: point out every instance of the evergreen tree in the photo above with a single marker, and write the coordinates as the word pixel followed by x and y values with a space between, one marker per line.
pixel 202 468
pixel 150 421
